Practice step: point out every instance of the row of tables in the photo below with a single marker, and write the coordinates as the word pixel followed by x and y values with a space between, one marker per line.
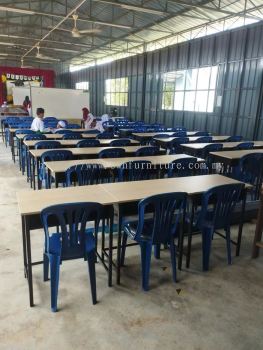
pixel 113 194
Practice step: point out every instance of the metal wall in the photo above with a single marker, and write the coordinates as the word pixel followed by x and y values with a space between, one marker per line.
pixel 239 57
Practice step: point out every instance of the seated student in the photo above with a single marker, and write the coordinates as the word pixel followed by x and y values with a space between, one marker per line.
pixel 38 124
pixel 97 125
pixel 61 125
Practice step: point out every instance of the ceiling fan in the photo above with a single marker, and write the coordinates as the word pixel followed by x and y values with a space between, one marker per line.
pixel 75 32
pixel 43 57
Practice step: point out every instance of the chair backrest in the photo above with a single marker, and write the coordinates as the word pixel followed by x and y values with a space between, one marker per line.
pixel 63 131
pixel 50 119
pixel 218 205
pixel 245 145
pixel 147 151
pixel 178 128
pixel 136 170
pixel 21 131
pixel 47 144
pixel 161 136
pixel 72 220
pixel 204 139
pixel 74 126
pixel 84 174
pixel 235 138
pixel 56 155
pixel 202 133
pixel 88 143
pixel 250 170
pixel 214 147
pixel 93 131
pixel 120 142
pixel 166 210
pixel 72 136
pixel 32 137
pixel 179 134
pixel 182 167
pixel 112 153
pixel 106 135
pixel 175 145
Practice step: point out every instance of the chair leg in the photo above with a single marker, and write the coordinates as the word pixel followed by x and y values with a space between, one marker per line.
pixel 157 250
pixel 173 259
pixel 54 279
pixel 92 275
pixel 45 267
pixel 146 252
pixel 206 246
pixel 123 248
pixel 228 246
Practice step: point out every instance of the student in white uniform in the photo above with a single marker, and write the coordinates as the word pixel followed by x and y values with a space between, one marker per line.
pixel 38 124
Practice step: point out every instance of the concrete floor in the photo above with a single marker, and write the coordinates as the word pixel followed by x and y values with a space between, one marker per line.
pixel 220 309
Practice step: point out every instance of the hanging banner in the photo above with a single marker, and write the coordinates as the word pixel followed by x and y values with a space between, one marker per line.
pixel 10 80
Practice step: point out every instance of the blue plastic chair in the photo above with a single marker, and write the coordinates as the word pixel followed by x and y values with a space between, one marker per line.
pixel 182 167
pixel 180 134
pixel 63 131
pixel 72 241
pixel 250 170
pixel 147 151
pixel 175 145
pixel 161 136
pixel 52 155
pixel 234 138
pixel 244 146
pixel 72 136
pixel 50 119
pixel 204 139
pixel 50 144
pixel 84 174
pixel 162 228
pixel 73 126
pixel 88 143
pixel 93 131
pixel 112 153
pixel 105 135
pixel 201 133
pixel 217 207
pixel 23 131
pixel 205 154
pixel 29 137
pixel 34 136
pixel 120 142
pixel 136 170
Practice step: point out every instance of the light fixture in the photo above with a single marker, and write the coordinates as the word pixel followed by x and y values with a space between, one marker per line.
pixel 13 9
pixel 6 44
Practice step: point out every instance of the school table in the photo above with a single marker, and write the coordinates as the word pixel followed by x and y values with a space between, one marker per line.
pixel 195 149
pixel 147 136
pixel 31 204
pixel 85 152
pixel 231 158
pixel 58 169
pixel 166 142
pixel 257 243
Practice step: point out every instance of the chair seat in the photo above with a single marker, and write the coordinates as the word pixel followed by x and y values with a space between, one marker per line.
pixel 130 229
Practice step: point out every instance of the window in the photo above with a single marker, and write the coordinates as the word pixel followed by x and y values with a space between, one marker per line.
pixel 116 92
pixel 190 90
pixel 82 85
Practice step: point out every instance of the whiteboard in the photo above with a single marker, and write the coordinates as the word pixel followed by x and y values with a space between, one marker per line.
pixel 59 103
pixel 19 94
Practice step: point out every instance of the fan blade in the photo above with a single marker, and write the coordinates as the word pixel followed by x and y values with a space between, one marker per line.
pixel 61 29
pixel 42 57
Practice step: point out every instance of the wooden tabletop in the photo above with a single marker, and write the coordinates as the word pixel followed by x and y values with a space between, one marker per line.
pixel 31 143
pixel 36 153
pixel 170 133
pixel 191 139
pixel 199 146
pixel 62 166
pixel 32 202
pixel 235 154
pixel 13 130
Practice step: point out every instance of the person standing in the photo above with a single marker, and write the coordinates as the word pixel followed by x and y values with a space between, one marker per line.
pixel 87 117
pixel 27 105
